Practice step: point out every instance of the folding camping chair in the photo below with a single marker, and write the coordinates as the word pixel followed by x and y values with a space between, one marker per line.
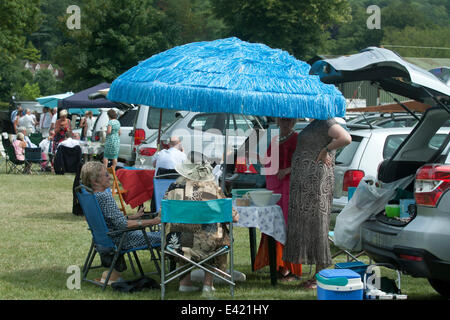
pixel 36 138
pixel 33 156
pixel 15 166
pixel 160 185
pixel 350 257
pixel 101 237
pixel 196 212
pixel 117 189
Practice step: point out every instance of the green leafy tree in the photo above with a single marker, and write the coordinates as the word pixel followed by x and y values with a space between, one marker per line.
pixel 30 53
pixel 50 33
pixel 354 35
pixel 189 21
pixel 13 77
pixel 418 42
pixel 300 27
pixel 114 36
pixel 46 81
pixel 29 92
pixel 17 19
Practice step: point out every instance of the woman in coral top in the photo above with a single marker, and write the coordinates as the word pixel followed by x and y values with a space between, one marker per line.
pixel 279 183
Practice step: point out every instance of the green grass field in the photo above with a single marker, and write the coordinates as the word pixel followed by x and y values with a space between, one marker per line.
pixel 40 239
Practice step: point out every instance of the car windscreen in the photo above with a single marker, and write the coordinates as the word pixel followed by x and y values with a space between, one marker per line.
pixel 344 156
pixel 392 143
pixel 127 119
pixel 168 117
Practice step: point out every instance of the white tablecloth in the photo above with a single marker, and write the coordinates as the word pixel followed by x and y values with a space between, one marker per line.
pixel 269 220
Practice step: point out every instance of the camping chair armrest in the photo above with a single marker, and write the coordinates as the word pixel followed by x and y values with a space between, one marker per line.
pixel 118 232
pixel 149 215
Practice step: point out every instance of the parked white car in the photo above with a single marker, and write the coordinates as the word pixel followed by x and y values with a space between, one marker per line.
pixel 361 158
pixel 127 120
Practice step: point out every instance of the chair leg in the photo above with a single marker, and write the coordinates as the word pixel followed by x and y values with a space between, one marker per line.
pixel 131 263
pixel 138 263
pixel 88 256
pixel 86 271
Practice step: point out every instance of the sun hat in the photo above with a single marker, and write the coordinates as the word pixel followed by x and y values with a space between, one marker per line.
pixel 199 171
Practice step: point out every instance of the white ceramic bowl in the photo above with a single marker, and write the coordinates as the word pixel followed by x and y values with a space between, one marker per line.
pixel 274 199
pixel 261 198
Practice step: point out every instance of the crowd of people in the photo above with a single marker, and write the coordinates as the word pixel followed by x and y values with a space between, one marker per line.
pixel 54 132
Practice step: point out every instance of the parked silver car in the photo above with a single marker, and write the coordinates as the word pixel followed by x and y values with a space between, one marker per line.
pixel 202 136
pixel 362 157
pixel 419 245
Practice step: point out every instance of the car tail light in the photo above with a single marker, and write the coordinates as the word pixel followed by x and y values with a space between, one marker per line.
pixel 352 179
pixel 139 136
pixel 410 257
pixel 147 151
pixel 432 180
pixel 241 167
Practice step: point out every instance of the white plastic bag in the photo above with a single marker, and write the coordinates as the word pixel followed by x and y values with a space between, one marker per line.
pixel 369 199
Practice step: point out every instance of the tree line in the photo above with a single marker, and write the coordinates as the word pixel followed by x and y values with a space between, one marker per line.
pixel 115 35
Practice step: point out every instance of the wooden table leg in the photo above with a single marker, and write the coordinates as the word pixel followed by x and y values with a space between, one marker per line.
pixel 272 260
pixel 252 237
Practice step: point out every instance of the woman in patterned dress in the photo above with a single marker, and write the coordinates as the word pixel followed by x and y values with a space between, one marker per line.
pixel 311 194
pixel 112 143
pixel 95 176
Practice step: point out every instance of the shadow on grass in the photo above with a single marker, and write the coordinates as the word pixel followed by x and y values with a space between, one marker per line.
pixel 61 216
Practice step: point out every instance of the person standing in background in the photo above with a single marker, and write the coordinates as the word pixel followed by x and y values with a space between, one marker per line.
pixel 27 121
pixel 62 125
pixel 112 143
pixel 54 118
pixel 45 122
pixel 15 116
pixel 86 125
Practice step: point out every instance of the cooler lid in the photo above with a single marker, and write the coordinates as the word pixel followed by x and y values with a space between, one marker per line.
pixel 339 273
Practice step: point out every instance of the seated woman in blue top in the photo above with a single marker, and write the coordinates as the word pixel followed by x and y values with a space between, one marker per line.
pixel 95 176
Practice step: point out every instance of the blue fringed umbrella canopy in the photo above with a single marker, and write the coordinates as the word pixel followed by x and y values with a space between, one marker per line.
pixel 232 76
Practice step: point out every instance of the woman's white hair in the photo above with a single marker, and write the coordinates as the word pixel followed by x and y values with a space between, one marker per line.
pixel 90 172
pixel 63 113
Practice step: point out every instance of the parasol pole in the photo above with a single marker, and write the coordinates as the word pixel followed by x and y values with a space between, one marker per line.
pixel 224 170
pixel 158 147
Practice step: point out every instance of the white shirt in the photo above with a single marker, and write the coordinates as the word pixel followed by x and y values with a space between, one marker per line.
pixel 27 121
pixel 69 142
pixel 89 126
pixel 46 120
pixel 54 117
pixel 169 158
pixel 44 145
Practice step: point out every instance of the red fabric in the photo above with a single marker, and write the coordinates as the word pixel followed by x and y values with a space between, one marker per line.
pixel 139 185
pixel 286 151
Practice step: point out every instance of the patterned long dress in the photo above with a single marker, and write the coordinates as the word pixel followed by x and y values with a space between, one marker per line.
pixel 112 143
pixel 310 198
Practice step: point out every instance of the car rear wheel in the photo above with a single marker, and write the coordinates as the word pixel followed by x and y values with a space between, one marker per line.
pixel 441 286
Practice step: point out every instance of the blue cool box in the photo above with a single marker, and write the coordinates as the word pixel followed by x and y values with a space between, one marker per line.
pixel 339 284
pixel 357 266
